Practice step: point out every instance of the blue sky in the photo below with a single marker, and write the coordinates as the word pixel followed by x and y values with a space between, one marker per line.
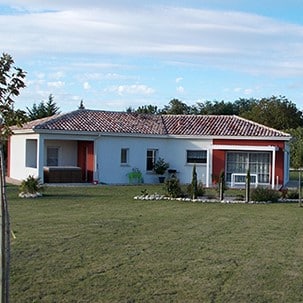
pixel 115 54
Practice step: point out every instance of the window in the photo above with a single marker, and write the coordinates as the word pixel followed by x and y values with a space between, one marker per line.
pixel 196 156
pixel 258 164
pixel 52 156
pixel 31 153
pixel 124 155
pixel 151 156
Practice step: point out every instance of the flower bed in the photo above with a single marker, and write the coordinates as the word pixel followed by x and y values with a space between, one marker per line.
pixel 201 200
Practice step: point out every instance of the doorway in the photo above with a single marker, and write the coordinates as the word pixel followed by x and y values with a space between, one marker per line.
pixel 86 160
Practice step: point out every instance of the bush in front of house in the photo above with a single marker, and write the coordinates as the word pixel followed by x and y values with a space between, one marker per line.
pixel 173 187
pixel 263 194
pixel 31 187
pixel 200 190
pixel 292 195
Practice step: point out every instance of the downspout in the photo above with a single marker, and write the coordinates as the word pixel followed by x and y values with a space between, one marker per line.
pixel 273 169
pixel 40 160
pixel 208 168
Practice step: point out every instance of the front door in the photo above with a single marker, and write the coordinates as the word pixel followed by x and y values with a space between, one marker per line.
pixel 86 160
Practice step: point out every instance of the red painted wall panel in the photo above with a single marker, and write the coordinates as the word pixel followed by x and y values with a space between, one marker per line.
pixel 86 160
pixel 218 164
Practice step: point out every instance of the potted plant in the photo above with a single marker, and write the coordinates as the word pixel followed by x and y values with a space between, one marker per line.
pixel 160 168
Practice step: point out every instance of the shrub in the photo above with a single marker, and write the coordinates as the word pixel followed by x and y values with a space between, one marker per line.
pixel 199 192
pixel 135 176
pixel 31 185
pixel 292 195
pixel 173 188
pixel 160 166
pixel 264 194
pixel 144 192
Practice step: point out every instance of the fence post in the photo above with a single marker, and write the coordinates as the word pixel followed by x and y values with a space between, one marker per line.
pixel 1 235
pixel 4 236
pixel 247 187
pixel 221 185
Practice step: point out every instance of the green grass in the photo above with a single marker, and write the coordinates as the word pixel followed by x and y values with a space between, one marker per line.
pixel 97 244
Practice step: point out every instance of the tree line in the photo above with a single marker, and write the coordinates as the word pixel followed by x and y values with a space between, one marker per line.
pixel 276 111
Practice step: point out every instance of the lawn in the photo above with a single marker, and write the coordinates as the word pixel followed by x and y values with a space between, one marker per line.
pixel 98 244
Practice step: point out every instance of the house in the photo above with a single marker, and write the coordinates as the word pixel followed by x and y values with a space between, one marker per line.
pixel 105 146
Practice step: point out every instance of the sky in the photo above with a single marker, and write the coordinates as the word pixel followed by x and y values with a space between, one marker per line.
pixel 118 54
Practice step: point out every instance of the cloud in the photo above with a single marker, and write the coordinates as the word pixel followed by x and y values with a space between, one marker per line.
pixel 180 89
pixel 104 76
pixel 179 79
pixel 134 89
pixel 56 84
pixel 248 91
pixel 86 86
pixel 224 39
pixel 57 75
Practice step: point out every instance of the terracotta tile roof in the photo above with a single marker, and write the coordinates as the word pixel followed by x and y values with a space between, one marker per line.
pixel 33 124
pixel 132 123
pixel 220 125
pixel 103 121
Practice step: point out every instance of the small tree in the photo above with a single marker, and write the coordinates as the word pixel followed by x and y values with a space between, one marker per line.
pixel 221 185
pixel 81 105
pixel 11 82
pixel 194 183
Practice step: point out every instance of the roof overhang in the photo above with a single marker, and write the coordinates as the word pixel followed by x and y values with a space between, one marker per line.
pixel 120 134
pixel 23 131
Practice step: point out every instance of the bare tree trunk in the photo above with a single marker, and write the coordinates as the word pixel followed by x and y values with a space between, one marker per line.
pixel 300 189
pixel 4 234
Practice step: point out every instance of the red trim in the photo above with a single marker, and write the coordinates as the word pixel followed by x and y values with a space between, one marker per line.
pixel 280 144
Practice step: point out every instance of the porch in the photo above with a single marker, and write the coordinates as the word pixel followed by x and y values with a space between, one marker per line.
pixel 68 161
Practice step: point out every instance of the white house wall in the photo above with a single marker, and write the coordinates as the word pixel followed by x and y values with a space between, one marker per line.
pixel 18 168
pixel 108 149
pixel 176 153
pixel 67 151
pixel 108 152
